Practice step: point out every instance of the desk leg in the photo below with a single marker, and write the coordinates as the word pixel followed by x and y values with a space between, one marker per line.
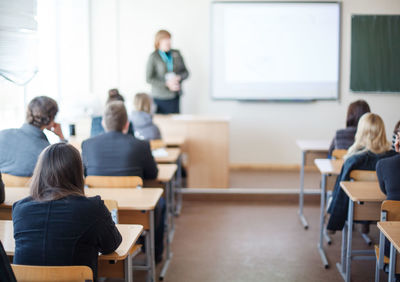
pixel 152 248
pixel 349 240
pixel 178 207
pixel 322 217
pixel 301 195
pixel 341 267
pixel 128 269
pixel 169 217
pixel 392 263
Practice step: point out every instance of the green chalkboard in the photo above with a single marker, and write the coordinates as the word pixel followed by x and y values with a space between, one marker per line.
pixel 375 53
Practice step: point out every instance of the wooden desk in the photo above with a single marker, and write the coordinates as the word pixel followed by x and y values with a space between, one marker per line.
pixel 206 145
pixel 130 233
pixel 309 147
pixel 391 230
pixel 365 199
pixel 327 168
pixel 135 206
pixel 171 158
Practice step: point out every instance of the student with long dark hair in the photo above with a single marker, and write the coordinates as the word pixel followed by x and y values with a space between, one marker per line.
pixel 344 138
pixel 57 225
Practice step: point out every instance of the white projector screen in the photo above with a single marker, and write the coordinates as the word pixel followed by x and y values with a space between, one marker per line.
pixel 275 50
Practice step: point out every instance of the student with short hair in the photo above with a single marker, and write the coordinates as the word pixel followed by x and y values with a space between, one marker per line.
pixel 57 224
pixel 142 119
pixel 369 147
pixel 20 148
pixel 344 138
pixel 116 153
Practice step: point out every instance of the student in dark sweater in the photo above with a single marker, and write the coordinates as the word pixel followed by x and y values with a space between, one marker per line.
pixel 57 225
pixel 344 138
pixel 369 147
pixel 117 153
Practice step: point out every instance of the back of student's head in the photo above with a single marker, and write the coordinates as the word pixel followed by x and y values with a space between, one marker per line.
pixel 115 116
pixel 142 102
pixel 370 136
pixel 41 111
pixel 58 173
pixel 113 95
pixel 396 129
pixel 355 111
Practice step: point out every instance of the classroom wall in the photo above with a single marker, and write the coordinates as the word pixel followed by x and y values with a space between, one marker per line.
pixel 261 132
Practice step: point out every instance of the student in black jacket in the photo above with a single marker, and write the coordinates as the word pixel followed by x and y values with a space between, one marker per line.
pixel 369 147
pixel 57 225
pixel 344 138
pixel 116 153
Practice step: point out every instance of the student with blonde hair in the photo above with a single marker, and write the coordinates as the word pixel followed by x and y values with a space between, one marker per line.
pixel 142 119
pixel 370 146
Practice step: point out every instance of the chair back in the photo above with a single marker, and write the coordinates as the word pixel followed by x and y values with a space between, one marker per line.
pixel 30 273
pixel 339 154
pixel 113 181
pixel 157 144
pixel 15 181
pixel 363 175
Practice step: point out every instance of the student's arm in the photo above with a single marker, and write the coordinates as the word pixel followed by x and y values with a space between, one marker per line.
pixel 108 235
pixel 151 77
pixel 150 170
pixel 381 178
pixel 2 193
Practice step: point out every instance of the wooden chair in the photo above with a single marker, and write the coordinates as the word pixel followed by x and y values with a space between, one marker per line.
pixel 15 181
pixel 157 144
pixel 339 154
pixel 390 211
pixel 112 206
pixel 113 181
pixel 366 211
pixel 29 273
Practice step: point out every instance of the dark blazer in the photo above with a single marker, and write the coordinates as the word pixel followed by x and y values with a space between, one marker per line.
pixel 156 71
pixel 343 139
pixel 69 231
pixel 340 201
pixel 20 149
pixel 388 171
pixel 2 192
pixel 117 154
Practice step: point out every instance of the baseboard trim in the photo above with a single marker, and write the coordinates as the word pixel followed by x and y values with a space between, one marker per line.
pixel 269 167
pixel 249 191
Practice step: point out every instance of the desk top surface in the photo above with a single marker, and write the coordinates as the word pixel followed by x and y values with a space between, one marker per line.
pixel 172 157
pixel 174 141
pixel 166 172
pixel 328 166
pixel 363 191
pixel 391 229
pixel 127 198
pixel 129 232
pixel 313 145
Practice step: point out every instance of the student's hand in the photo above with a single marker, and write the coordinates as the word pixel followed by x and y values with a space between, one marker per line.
pixel 397 143
pixel 56 129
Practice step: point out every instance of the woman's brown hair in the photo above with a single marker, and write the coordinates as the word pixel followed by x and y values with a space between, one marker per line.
pixel 355 111
pixel 113 95
pixel 161 34
pixel 142 102
pixel 58 173
pixel 41 111
pixel 397 128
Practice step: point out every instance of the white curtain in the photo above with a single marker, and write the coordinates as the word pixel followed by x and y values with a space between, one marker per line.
pixel 18 40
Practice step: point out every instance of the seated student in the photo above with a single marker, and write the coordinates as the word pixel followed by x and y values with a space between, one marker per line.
pixel 116 153
pixel 344 138
pixel 369 147
pixel 396 131
pixel 2 192
pixel 97 127
pixel 57 225
pixel 20 148
pixel 142 119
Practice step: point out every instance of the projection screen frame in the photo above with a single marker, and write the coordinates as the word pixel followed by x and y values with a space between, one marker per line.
pixel 211 64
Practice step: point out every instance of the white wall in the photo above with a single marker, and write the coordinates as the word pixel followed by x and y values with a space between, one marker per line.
pixel 260 132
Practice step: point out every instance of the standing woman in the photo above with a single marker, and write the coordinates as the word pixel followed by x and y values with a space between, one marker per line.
pixel 165 72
